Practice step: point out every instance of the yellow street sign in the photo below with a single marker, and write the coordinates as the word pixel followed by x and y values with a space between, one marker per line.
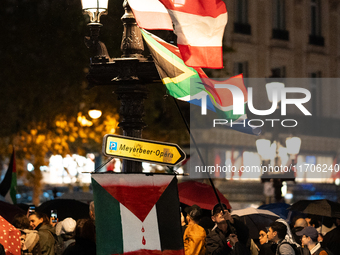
pixel 142 150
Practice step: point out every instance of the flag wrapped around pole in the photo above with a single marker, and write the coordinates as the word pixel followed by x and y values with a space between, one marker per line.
pixel 137 213
pixel 198 24
pixel 193 85
pixel 8 186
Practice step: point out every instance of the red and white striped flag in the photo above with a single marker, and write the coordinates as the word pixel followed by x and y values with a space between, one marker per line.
pixel 151 14
pixel 198 24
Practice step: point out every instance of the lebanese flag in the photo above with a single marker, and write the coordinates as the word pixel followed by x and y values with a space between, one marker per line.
pixel 137 214
pixel 151 14
pixel 199 26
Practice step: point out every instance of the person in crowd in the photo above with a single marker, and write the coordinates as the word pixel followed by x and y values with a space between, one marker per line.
pixel 2 250
pixel 277 234
pixel 29 238
pixel 40 222
pixel 331 240
pixel 266 247
pixel 91 211
pixel 194 235
pixel 312 221
pixel 299 224
pixel 183 223
pixel 263 237
pixel 310 240
pixel 85 236
pixel 327 225
pixel 65 233
pixel 229 236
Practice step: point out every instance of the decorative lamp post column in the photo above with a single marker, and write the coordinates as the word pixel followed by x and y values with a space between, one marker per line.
pixel 128 74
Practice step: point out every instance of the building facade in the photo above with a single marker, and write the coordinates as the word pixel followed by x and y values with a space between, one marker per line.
pixel 296 40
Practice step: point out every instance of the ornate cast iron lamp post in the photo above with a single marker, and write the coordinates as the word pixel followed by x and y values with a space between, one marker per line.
pixel 128 74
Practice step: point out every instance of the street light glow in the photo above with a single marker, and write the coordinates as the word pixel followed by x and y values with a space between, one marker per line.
pixel 94 113
pixel 263 148
pixel 278 86
pixel 95 8
pixel 293 145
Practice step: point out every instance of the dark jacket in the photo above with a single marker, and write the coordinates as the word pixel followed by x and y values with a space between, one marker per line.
pixel 2 250
pixel 46 239
pixel 81 247
pixel 332 241
pixel 268 249
pixel 216 241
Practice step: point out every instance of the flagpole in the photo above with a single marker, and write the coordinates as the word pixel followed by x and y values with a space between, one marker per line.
pixel 198 151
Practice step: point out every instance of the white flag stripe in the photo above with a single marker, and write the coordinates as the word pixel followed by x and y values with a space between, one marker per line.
pixel 199 95
pixel 132 231
pixel 148 6
pixel 196 30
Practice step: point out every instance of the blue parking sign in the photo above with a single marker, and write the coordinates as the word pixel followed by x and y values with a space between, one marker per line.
pixel 113 146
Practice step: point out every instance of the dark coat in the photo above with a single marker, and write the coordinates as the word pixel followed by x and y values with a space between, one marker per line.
pixel 216 240
pixel 332 240
pixel 46 239
pixel 81 247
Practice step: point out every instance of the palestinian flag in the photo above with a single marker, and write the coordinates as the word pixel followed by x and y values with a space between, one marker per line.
pixel 136 214
pixel 193 85
pixel 8 186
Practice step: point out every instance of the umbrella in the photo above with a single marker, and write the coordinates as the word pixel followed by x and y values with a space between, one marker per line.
pixel 10 237
pixel 255 219
pixel 8 211
pixel 85 197
pixel 323 207
pixel 280 209
pixel 201 194
pixel 65 208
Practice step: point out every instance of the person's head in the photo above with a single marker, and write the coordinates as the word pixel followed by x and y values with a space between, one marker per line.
pixel 309 235
pixel 194 213
pixel 337 221
pixel 85 229
pixel 21 221
pixel 37 218
pixel 263 236
pixel 312 221
pixel 91 211
pixel 328 222
pixel 217 213
pixel 277 231
pixel 300 222
pixel 66 228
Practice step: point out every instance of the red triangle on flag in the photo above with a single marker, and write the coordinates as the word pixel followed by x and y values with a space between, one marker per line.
pixel 138 199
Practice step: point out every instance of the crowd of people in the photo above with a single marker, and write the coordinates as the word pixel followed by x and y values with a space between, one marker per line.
pixel 220 233
pixel 40 235
pixel 229 235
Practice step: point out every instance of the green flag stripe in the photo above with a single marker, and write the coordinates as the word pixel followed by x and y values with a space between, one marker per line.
pixel 108 220
pixel 168 64
pixel 13 189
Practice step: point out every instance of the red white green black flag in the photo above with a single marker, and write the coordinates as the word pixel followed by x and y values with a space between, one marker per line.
pixel 137 214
